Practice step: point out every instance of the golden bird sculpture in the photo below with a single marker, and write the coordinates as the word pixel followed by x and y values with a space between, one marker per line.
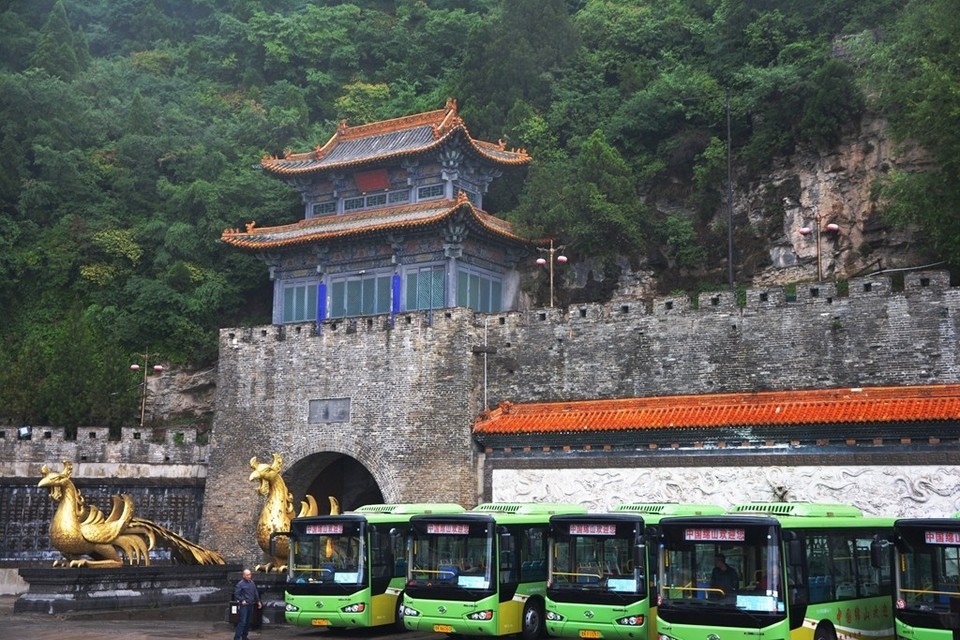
pixel 278 511
pixel 88 538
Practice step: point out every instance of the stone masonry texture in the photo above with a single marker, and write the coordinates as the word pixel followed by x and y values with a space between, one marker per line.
pixel 415 385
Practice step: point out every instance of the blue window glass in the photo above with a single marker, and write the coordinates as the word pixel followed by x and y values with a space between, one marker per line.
pixel 480 292
pixel 425 288
pixel 360 295
pixel 300 302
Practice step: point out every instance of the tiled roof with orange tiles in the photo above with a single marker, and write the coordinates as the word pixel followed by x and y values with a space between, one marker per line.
pixel 331 227
pixel 391 140
pixel 826 406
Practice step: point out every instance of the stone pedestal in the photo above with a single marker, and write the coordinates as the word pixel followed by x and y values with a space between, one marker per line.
pixel 56 590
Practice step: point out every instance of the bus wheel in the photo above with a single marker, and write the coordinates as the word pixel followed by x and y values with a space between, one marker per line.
pixel 824 632
pixel 532 621
pixel 398 622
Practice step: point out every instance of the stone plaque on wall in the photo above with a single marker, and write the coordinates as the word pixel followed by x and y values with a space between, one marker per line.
pixel 329 410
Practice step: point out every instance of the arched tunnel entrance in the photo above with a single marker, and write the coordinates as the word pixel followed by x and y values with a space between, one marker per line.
pixel 336 475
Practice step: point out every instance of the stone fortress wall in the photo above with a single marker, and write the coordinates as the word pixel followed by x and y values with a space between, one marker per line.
pixel 400 395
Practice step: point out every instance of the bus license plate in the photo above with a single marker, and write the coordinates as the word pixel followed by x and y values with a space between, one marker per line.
pixel 587 633
pixel 442 628
pixel 320 622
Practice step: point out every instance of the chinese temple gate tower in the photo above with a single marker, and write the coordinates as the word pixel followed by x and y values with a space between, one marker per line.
pixel 394 222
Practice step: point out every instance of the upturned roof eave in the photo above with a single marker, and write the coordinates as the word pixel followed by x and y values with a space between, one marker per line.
pixel 246 240
pixel 275 166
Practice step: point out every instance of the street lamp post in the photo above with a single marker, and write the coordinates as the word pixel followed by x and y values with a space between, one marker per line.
pixel 806 231
pixel 158 368
pixel 562 259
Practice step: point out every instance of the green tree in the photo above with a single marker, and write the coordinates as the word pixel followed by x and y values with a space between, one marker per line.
pixel 55 52
pixel 517 56
pixel 589 201
pixel 915 79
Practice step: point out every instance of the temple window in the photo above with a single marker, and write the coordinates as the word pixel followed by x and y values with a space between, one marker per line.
pixel 323 208
pixel 375 200
pixel 360 294
pixel 425 288
pixel 430 192
pixel 300 302
pixel 398 197
pixel 479 291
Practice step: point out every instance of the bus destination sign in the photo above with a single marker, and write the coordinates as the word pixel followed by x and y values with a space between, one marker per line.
pixel 448 527
pixel 325 529
pixel 712 534
pixel 593 529
pixel 942 537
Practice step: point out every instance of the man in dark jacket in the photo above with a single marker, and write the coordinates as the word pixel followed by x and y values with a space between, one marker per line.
pixel 248 597
pixel 724 579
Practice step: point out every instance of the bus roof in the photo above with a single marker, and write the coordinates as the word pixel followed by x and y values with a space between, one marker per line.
pixel 411 508
pixel 529 508
pixel 669 509
pixel 798 509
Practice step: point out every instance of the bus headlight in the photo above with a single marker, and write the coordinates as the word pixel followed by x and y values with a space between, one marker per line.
pixel 409 612
pixel 481 615
pixel 631 621
pixel 353 608
pixel 292 608
pixel 553 616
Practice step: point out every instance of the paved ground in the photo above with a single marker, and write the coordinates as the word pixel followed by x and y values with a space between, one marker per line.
pixel 161 626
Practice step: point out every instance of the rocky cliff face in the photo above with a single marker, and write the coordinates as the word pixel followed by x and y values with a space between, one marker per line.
pixel 183 397
pixel 776 220
pixel 830 191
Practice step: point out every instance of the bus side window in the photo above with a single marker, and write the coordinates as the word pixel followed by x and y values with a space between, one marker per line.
pixel 506 558
pixel 820 583
pixel 534 565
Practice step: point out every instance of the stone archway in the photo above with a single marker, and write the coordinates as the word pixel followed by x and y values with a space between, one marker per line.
pixel 332 474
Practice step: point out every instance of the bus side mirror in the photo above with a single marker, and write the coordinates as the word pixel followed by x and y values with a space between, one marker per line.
pixel 877 549
pixel 273 541
pixel 795 553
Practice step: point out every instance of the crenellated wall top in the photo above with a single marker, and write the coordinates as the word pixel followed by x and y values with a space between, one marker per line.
pixel 815 296
pixel 178 446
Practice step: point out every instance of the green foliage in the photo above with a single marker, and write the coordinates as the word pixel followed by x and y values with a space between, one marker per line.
pixel 917 66
pixel 129 130
pixel 591 199
pixel 56 53
pixel 681 239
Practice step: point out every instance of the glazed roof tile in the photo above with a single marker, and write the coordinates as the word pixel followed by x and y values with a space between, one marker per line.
pixel 335 227
pixel 390 140
pixel 775 408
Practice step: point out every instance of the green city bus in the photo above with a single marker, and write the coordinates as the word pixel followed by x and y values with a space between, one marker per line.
pixel 483 572
pixel 927 578
pixel 348 570
pixel 601 570
pixel 776 571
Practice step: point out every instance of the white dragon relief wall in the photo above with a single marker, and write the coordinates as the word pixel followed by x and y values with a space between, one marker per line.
pixel 903 491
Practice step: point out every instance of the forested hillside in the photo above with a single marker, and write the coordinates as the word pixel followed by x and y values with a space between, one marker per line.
pixel 131 130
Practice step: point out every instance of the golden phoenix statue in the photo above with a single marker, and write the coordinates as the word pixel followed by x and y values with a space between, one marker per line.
pixel 278 511
pixel 78 530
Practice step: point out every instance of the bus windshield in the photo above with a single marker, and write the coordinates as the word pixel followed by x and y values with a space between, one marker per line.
pixel 597 557
pixel 446 554
pixel 327 552
pixel 929 568
pixel 729 566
